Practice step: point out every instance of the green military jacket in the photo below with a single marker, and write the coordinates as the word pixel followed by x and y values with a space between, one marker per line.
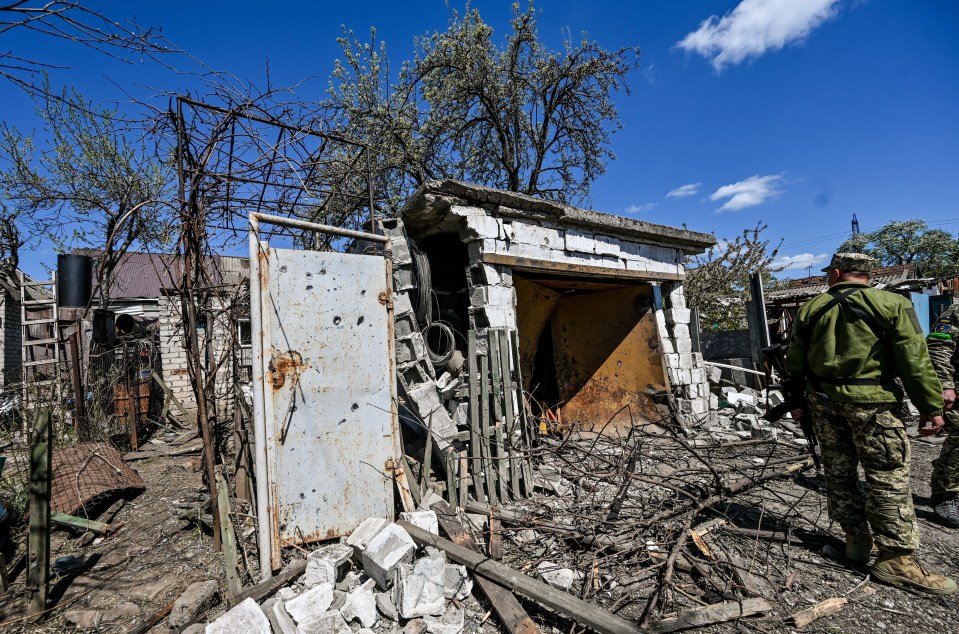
pixel 942 346
pixel 843 345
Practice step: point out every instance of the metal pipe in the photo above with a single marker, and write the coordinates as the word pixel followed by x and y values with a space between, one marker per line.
pixel 294 223
pixel 264 540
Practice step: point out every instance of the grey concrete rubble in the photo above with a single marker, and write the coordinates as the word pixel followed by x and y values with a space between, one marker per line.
pixel 323 565
pixel 556 576
pixel 456 582
pixel 423 519
pixel 365 532
pixel 361 605
pixel 311 604
pixel 419 589
pixel 245 618
pixel 389 548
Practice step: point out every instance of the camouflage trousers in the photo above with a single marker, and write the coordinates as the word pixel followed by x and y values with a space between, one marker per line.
pixel 854 434
pixel 945 468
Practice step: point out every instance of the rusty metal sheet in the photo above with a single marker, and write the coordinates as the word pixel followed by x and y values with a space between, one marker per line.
pixel 85 473
pixel 608 358
pixel 329 392
pixel 534 306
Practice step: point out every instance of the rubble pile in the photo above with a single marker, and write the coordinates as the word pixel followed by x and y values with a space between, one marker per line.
pixel 375 580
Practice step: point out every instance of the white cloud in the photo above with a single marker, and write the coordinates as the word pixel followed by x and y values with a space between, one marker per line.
pixel 753 191
pixel 684 190
pixel 801 261
pixel 756 26
pixel 635 209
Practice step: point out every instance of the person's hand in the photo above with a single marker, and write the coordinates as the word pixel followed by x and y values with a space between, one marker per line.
pixel 797 413
pixel 949 396
pixel 930 425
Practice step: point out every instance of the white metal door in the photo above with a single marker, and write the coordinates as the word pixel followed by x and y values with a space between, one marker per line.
pixel 329 405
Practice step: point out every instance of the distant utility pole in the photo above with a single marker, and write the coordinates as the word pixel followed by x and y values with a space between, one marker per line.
pixel 809 271
pixel 855 225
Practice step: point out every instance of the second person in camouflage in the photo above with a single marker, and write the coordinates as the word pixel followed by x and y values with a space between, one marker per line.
pixel 945 469
pixel 848 345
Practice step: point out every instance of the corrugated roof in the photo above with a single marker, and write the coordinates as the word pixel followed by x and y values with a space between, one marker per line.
pixel 807 287
pixel 147 275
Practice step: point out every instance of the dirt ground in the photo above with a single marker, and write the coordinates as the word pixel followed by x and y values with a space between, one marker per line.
pixel 117 582
pixel 134 571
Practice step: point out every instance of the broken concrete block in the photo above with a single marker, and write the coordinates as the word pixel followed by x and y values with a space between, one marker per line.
pixel 244 618
pixel 419 589
pixel 745 407
pixel 452 622
pixel 526 536
pixel 422 519
pixel 765 433
pixel 554 575
pixel 745 422
pixel 195 600
pixel 339 599
pixel 416 626
pixel 734 397
pixel 365 532
pixel 435 553
pixel 384 603
pixel 714 374
pixel 361 605
pixel 282 619
pixel 286 593
pixel 311 604
pixel 323 564
pixel 349 581
pixel 456 582
pixel 327 623
pixel 318 571
pixel 389 548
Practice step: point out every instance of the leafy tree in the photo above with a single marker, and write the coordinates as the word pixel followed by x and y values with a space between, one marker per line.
pixel 515 116
pixel 94 183
pixel 718 280
pixel 935 252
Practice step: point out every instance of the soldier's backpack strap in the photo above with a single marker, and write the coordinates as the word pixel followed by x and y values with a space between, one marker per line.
pixel 841 297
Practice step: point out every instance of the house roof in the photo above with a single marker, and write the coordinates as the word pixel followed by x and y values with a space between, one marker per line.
pixel 888 277
pixel 147 275
pixel 521 205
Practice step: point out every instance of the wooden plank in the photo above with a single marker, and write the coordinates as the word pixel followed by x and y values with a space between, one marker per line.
pixel 403 486
pixel 79 523
pixel 476 445
pixel 588 614
pixel 527 467
pixel 489 470
pixel 504 603
pixel 823 608
pixel 38 559
pixel 265 588
pixel 408 477
pixel 228 537
pixel 719 613
pixel 509 411
pixel 501 463
pixel 495 534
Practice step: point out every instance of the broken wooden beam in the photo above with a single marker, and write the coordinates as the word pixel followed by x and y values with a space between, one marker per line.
pixel 264 588
pixel 588 614
pixel 79 523
pixel 41 477
pixel 504 603
pixel 707 615
pixel 228 537
pixel 823 608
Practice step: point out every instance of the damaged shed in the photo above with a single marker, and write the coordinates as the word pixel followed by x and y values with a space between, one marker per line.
pixel 596 301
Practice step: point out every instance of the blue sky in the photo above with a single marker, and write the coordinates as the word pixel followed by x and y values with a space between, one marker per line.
pixel 793 113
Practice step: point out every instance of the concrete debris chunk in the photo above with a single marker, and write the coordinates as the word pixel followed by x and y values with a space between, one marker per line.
pixel 457 583
pixel 419 589
pixel 286 593
pixel 339 599
pixel 195 600
pixel 311 604
pixel 361 605
pixel 282 619
pixel 244 618
pixel 384 603
pixel 391 547
pixel 363 534
pixel 765 433
pixel 434 553
pixel 452 622
pixel 560 578
pixel 416 626
pixel 775 398
pixel 349 581
pixel 327 623
pixel 423 519
pixel 318 571
pixel 734 397
pixel 526 536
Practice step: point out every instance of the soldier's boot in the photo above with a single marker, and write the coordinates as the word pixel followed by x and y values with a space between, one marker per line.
pixel 859 547
pixel 947 509
pixel 904 571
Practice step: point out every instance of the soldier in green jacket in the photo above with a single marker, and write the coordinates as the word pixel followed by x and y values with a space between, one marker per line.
pixel 848 346
pixel 945 469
